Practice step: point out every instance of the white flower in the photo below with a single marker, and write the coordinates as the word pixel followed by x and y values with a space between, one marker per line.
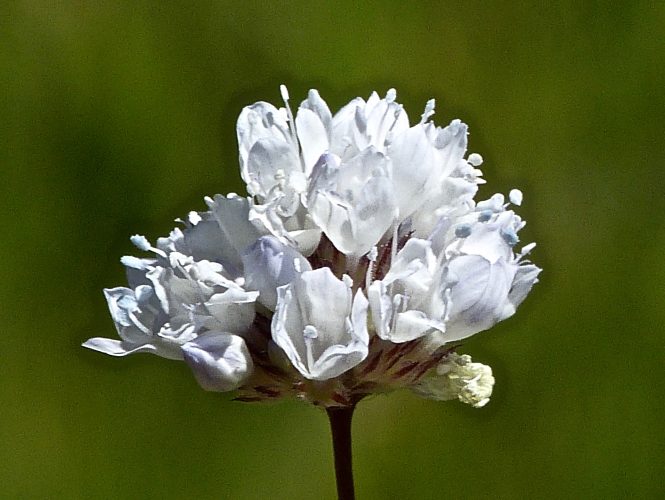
pixel 353 203
pixel 487 280
pixel 358 173
pixel 171 303
pixel 362 124
pixel 320 326
pixel 356 263
pixel 457 377
pixel 452 184
pixel 135 312
pixel 407 303
pixel 274 170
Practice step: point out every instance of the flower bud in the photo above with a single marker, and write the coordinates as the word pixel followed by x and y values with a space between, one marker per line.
pixel 457 377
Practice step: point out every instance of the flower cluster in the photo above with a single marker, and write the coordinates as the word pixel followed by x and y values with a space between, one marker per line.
pixel 356 264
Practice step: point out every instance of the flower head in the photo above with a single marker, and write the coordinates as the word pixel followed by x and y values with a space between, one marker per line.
pixel 356 265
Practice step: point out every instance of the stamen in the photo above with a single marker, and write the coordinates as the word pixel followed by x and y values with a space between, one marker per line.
pixel 371 256
pixel 285 93
pixel 310 334
pixel 395 241
pixel 398 112
pixel 142 243
pixel 446 308
pixel 429 111
pixel 137 323
pixel 397 305
pixel 509 236
pixel 292 124
pixel 280 177
pixel 526 249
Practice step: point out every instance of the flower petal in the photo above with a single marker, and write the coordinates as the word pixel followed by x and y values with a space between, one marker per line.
pixel 270 264
pixel 478 296
pixel 414 160
pixel 116 347
pixel 220 362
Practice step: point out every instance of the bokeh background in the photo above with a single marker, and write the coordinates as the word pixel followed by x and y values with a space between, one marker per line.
pixel 119 116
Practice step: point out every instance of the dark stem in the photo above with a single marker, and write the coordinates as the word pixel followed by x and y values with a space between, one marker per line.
pixel 340 426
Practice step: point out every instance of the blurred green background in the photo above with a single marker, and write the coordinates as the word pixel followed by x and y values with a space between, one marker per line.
pixel 118 117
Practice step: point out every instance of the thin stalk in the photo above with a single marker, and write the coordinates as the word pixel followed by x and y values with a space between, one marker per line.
pixel 340 427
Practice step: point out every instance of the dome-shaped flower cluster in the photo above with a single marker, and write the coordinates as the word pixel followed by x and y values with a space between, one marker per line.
pixel 355 266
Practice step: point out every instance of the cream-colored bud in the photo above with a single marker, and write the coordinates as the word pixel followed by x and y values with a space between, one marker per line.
pixel 457 377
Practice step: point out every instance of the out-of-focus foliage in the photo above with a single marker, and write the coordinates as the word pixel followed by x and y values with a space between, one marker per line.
pixel 116 117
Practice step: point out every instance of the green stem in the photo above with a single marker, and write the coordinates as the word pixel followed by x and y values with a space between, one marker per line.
pixel 340 427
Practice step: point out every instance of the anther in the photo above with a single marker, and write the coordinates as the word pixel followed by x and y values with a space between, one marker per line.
pixel 485 215
pixel 475 159
pixel 463 230
pixel 509 236
pixel 515 197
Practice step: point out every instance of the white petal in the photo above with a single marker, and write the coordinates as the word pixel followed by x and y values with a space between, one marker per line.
pixel 413 324
pixel 132 321
pixel 237 232
pixel 317 105
pixel 259 121
pixel 414 160
pixel 340 358
pixel 312 134
pixel 116 347
pixel 201 239
pixel 325 301
pixel 220 362
pixel 268 161
pixel 270 264
pixel 525 277
pixel 486 241
pixel 381 307
pixel 230 311
pixel 452 142
pixel 414 265
pixel 479 296
pixel 342 125
pixel 386 118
